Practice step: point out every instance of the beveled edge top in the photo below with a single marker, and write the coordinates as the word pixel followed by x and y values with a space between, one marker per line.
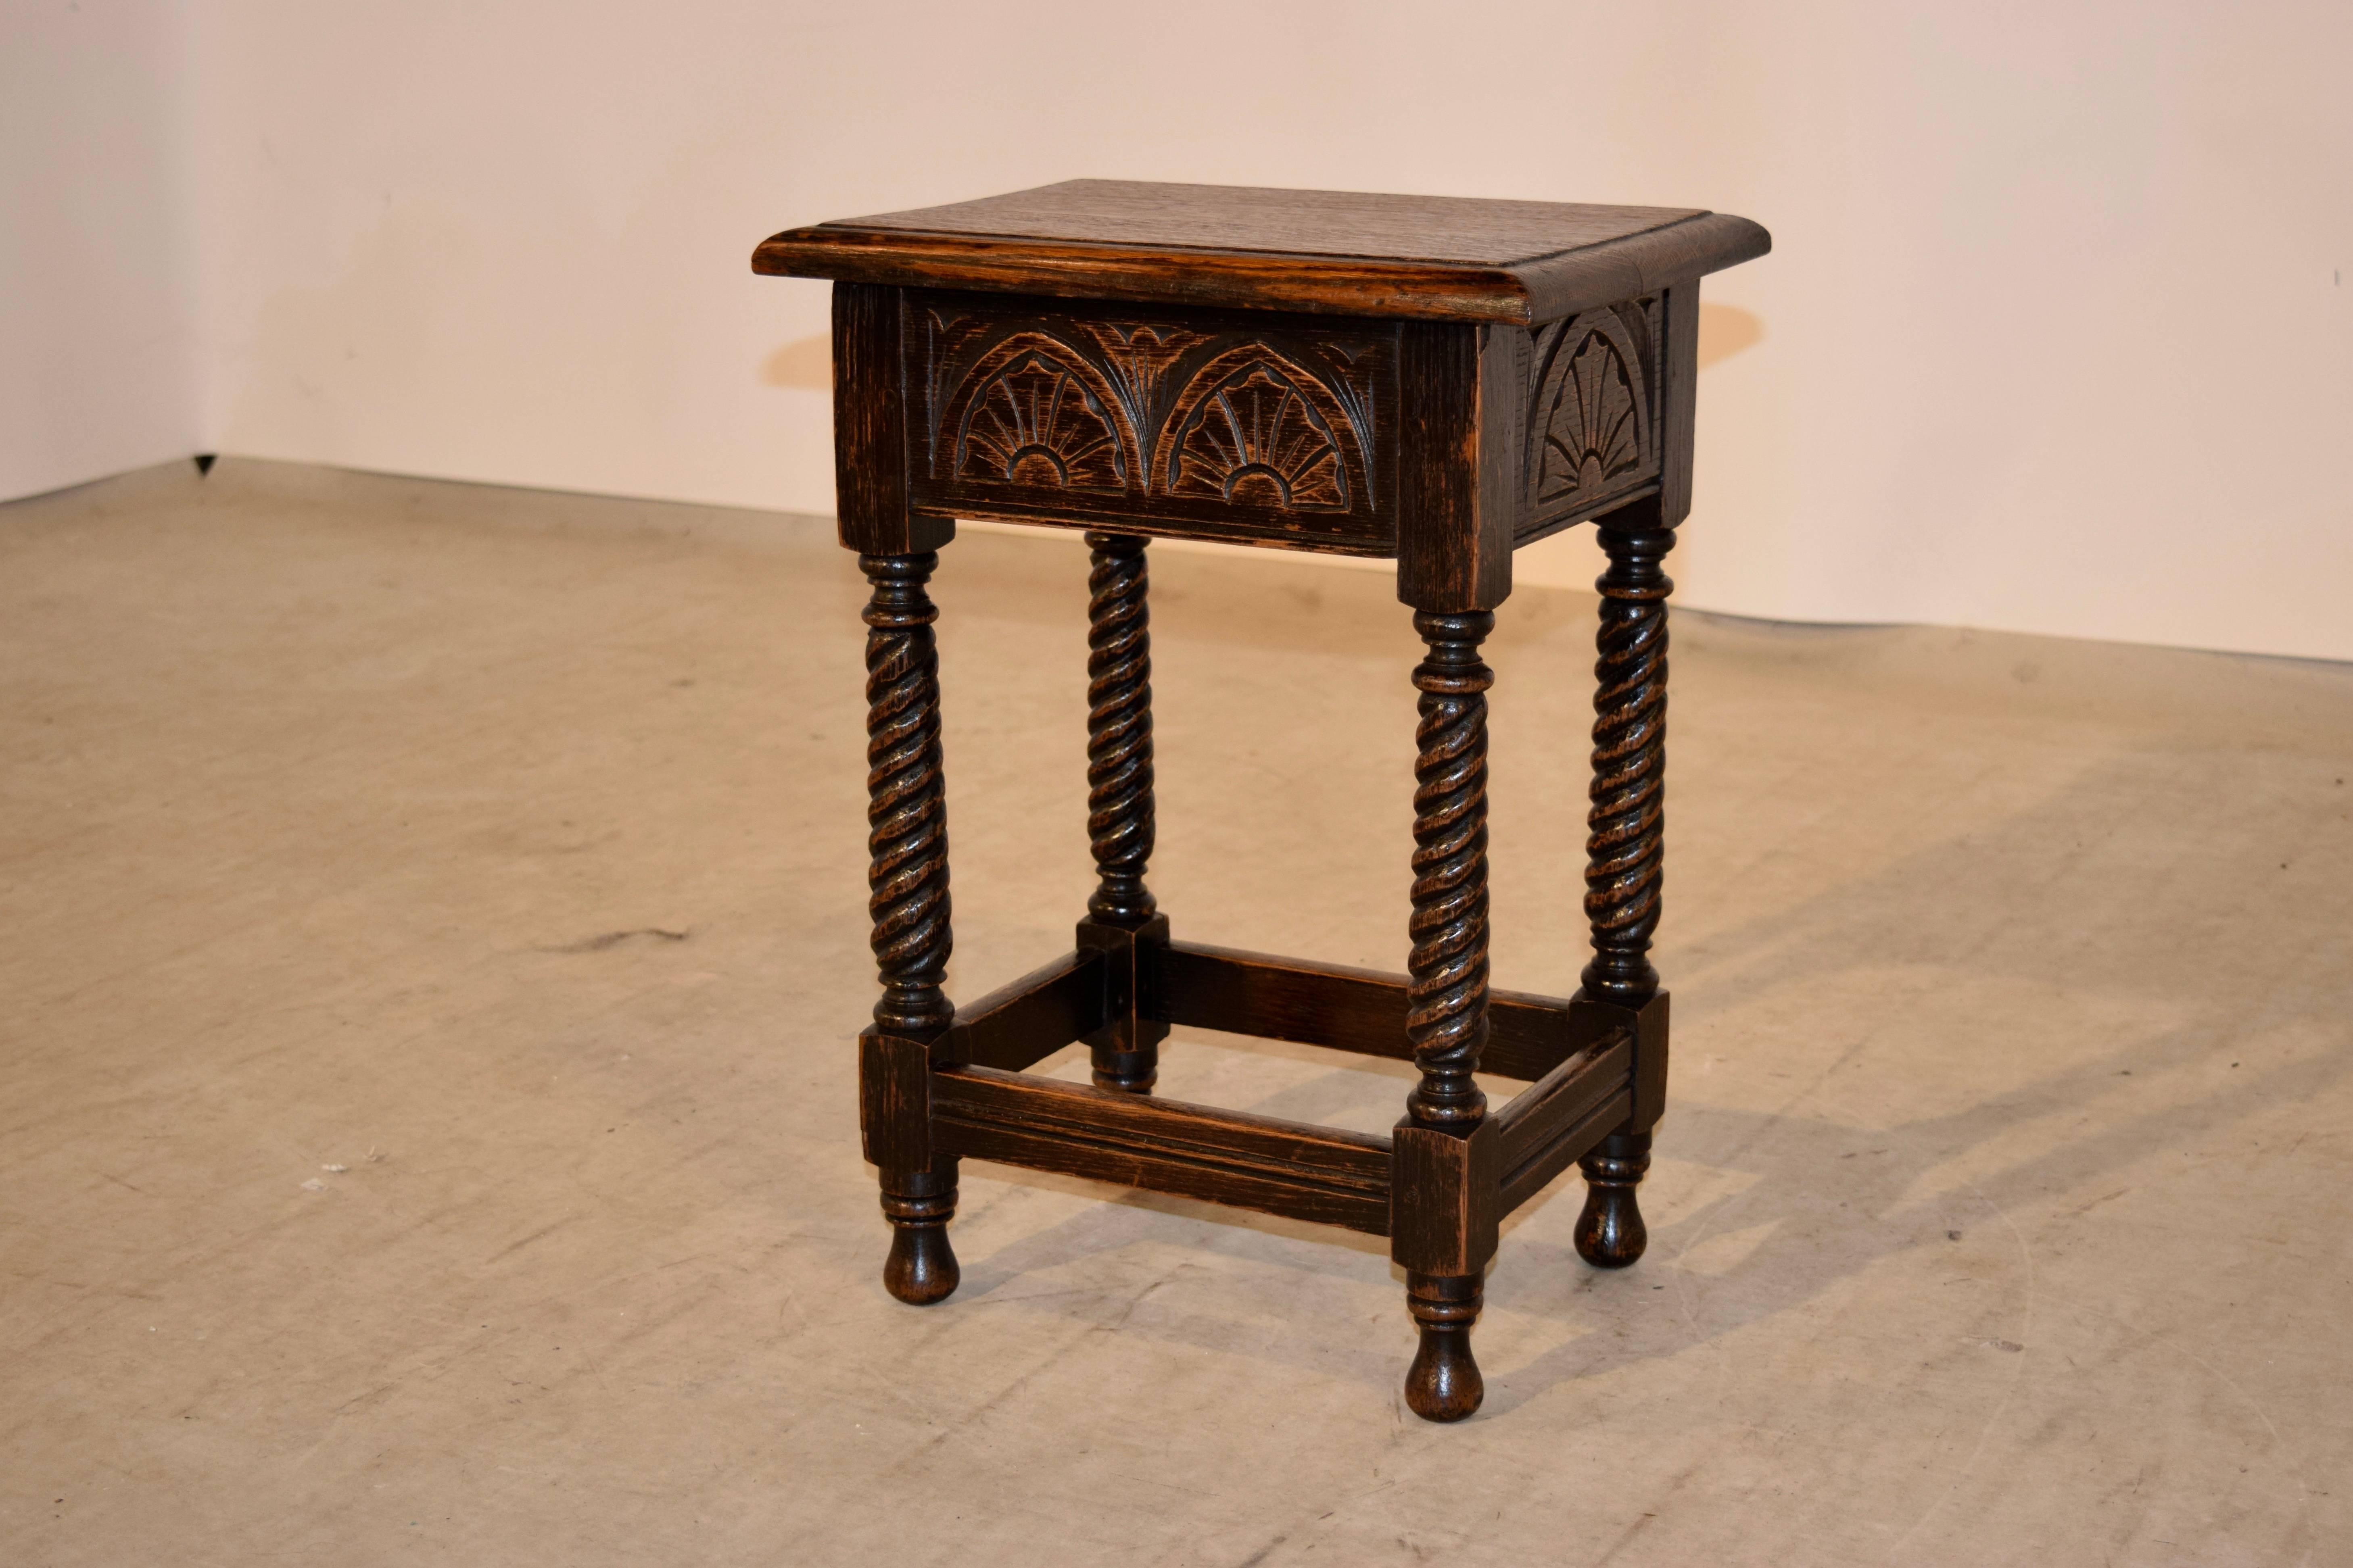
pixel 1255 248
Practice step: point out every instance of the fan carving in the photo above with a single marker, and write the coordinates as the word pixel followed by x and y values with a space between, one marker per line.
pixel 1036 422
pixel 1250 425
pixel 1590 412
pixel 1255 440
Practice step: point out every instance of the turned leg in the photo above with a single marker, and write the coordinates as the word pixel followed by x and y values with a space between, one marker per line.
pixel 1446 1008
pixel 1623 870
pixel 907 840
pixel 1445 1228
pixel 1121 914
pixel 1119 728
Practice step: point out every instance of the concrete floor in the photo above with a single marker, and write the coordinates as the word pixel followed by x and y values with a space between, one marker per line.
pixel 434 938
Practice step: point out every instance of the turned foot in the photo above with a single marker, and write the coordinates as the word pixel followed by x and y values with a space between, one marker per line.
pixel 1128 1072
pixel 1443 1384
pixel 922 1267
pixel 1610 1233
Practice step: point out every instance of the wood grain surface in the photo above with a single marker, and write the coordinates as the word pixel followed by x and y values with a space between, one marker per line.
pixel 1436 379
pixel 1317 1174
pixel 1361 1010
pixel 1355 253
pixel 1201 424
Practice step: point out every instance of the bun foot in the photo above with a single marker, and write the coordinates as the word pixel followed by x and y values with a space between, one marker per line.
pixel 922 1267
pixel 1609 1232
pixel 1443 1384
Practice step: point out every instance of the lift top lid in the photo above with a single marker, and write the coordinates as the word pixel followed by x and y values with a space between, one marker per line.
pixel 1443 258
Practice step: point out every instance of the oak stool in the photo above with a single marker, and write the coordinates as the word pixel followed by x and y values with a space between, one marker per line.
pixel 1433 380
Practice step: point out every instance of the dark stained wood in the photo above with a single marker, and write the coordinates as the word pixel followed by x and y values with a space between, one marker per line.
pixel 1595 1020
pixel 1678 402
pixel 1625 848
pixel 1609 1230
pixel 1459 495
pixel 1627 820
pixel 1543 1113
pixel 1120 807
pixel 1122 915
pixel 1446 995
pixel 1595 434
pixel 907 878
pixel 1125 1046
pixel 1503 358
pixel 1575 1140
pixel 895 1104
pixel 1290 223
pixel 1346 1009
pixel 1445 444
pixel 1428 257
pixel 1247 425
pixel 1613 1146
pixel 1428 378
pixel 1322 1175
pixel 869 428
pixel 921 1267
pixel 1024 1022
pixel 918 1181
pixel 1442 1199
pixel 906 809
pixel 1649 1063
pixel 1443 1383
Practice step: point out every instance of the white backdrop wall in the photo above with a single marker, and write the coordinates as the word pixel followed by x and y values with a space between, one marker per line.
pixel 98 362
pixel 2054 338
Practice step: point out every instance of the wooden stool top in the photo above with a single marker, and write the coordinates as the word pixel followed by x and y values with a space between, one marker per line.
pixel 1428 257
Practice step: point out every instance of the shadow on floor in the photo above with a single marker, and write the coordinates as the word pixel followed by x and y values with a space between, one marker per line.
pixel 1831 1198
